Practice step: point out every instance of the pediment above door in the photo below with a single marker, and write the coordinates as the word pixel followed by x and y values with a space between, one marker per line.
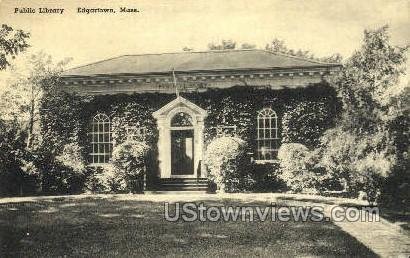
pixel 180 104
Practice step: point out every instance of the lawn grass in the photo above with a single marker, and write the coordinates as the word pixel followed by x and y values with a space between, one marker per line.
pixel 93 227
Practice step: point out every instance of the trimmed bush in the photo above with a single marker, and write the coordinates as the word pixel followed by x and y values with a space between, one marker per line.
pixel 129 161
pixel 298 168
pixel 227 164
pixel 72 158
pixel 105 179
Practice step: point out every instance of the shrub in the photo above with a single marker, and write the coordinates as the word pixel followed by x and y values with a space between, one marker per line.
pixel 72 158
pixel 18 173
pixel 362 161
pixel 395 193
pixel 129 160
pixel 105 179
pixel 298 169
pixel 66 173
pixel 227 164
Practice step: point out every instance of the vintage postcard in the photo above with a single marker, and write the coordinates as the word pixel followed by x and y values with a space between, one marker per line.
pixel 182 128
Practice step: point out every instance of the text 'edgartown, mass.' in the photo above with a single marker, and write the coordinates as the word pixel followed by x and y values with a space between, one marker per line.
pixel 82 10
pixel 106 10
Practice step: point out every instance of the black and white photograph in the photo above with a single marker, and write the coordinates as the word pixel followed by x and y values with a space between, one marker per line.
pixel 204 128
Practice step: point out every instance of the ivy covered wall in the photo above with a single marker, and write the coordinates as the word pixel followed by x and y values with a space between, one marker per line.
pixel 303 113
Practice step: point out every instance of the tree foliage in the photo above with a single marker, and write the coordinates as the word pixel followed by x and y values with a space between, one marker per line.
pixel 366 82
pixel 16 166
pixel 276 46
pixel 279 46
pixel 32 83
pixel 225 44
pixel 362 147
pixel 248 46
pixel 12 42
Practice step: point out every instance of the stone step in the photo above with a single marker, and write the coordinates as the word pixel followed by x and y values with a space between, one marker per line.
pixel 176 192
pixel 184 180
pixel 182 185
pixel 185 188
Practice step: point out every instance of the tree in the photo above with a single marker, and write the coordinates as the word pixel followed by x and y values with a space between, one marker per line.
pixel 362 149
pixel 188 49
pixel 11 44
pixel 26 90
pixel 248 46
pixel 366 82
pixel 335 58
pixel 225 44
pixel 279 46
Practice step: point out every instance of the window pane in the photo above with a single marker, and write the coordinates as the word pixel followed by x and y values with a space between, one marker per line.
pixel 261 134
pixel 100 148
pixel 267 123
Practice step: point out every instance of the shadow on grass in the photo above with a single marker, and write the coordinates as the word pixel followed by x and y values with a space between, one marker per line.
pixel 397 216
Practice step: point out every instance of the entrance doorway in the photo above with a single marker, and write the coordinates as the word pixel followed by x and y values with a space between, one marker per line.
pixel 182 152
pixel 180 139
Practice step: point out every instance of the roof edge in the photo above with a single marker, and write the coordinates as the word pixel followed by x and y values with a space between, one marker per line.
pixel 278 69
pixel 205 51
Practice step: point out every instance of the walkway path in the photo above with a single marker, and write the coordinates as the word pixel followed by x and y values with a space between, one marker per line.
pixel 382 237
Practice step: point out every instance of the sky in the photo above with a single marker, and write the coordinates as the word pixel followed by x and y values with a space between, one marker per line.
pixel 320 26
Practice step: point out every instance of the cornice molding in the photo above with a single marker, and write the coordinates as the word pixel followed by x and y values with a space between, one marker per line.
pixel 198 76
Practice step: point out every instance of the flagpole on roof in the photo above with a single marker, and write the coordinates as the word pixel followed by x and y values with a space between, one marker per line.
pixel 175 82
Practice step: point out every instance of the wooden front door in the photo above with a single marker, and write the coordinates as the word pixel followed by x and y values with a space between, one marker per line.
pixel 182 153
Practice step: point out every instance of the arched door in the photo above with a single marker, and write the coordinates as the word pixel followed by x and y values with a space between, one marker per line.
pixel 182 145
pixel 180 139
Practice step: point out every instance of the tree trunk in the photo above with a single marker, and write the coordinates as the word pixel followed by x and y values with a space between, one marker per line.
pixel 31 121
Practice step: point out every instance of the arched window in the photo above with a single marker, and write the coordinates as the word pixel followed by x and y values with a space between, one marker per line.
pixel 101 141
pixel 267 138
pixel 181 119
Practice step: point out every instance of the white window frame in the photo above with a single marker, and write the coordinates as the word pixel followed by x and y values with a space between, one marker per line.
pixel 98 138
pixel 270 133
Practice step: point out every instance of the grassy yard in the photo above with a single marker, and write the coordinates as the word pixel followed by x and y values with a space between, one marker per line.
pixel 95 226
